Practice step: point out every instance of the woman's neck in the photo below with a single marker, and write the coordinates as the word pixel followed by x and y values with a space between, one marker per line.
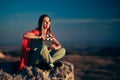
pixel 44 31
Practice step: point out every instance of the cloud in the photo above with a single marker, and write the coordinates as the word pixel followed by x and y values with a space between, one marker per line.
pixel 81 21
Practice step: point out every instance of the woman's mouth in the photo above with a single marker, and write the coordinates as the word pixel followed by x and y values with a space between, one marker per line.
pixel 45 26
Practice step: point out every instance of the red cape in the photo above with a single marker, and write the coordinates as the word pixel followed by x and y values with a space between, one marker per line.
pixel 25 50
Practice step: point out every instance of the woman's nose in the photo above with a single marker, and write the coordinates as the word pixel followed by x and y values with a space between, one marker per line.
pixel 46 22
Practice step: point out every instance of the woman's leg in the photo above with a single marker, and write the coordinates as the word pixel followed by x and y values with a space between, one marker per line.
pixel 57 54
pixel 51 57
pixel 46 54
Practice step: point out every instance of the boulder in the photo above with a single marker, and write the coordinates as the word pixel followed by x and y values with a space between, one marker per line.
pixel 65 72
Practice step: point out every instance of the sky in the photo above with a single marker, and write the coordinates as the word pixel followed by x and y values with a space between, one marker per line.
pixel 73 21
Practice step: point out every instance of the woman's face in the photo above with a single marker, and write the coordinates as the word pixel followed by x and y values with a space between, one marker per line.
pixel 46 23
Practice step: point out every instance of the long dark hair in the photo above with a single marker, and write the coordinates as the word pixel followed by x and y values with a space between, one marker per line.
pixel 49 31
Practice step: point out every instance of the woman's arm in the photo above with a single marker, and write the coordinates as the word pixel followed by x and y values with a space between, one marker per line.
pixel 56 44
pixel 31 35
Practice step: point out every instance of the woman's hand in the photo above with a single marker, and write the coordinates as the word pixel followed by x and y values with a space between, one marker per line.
pixel 39 37
pixel 53 46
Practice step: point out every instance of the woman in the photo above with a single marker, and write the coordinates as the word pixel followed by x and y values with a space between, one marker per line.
pixel 48 47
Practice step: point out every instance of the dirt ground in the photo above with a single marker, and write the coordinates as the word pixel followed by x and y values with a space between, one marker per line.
pixel 95 67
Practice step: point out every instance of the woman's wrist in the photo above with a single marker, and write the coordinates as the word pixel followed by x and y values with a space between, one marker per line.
pixel 39 37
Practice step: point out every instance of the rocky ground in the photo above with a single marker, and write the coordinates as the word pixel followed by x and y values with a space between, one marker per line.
pixel 65 72
pixel 86 67
pixel 9 70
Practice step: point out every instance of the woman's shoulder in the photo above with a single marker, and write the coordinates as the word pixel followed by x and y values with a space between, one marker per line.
pixel 35 31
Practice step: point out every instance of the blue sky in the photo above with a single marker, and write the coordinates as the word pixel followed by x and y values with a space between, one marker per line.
pixel 72 20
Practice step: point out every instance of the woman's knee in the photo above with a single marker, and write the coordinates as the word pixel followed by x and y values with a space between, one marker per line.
pixel 63 50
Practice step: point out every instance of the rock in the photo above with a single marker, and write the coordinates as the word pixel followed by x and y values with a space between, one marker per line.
pixel 65 72
pixel 5 76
